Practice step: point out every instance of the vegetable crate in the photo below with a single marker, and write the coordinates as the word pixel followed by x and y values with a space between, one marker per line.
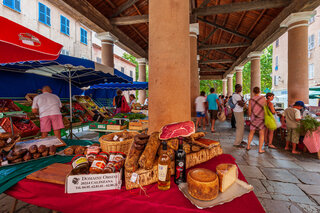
pixel 7 105
pixel 98 126
pixel 23 129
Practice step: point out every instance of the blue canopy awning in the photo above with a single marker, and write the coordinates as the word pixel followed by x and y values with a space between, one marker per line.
pixel 123 86
pixel 83 72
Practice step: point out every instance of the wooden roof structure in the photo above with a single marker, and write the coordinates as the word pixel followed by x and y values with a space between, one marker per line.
pixel 228 29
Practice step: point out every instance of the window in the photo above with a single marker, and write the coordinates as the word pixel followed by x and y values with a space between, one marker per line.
pixel 13 4
pixel 276 80
pixel 311 71
pixel 99 60
pixel 277 43
pixel 64 52
pixel 311 20
pixel 44 14
pixel 64 25
pixel 311 42
pixel 83 36
pixel 122 69
pixel 276 64
pixel 131 73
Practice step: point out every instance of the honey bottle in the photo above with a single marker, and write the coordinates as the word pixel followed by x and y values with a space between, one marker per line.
pixel 164 171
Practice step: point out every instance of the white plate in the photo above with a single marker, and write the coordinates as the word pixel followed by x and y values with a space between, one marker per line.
pixel 237 189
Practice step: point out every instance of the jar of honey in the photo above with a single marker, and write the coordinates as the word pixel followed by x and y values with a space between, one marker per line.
pixel 98 165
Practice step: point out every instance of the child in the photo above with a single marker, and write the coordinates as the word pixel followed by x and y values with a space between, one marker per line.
pixel 293 116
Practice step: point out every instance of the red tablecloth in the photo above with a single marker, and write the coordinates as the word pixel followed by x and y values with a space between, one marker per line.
pixel 52 196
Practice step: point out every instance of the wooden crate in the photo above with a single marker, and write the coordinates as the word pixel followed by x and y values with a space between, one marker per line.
pixel 147 177
pixel 138 125
pixel 116 127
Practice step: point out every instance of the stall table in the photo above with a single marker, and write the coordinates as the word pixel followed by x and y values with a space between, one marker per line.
pixel 52 196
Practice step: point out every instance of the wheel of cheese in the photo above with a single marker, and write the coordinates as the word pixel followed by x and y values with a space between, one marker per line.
pixel 227 173
pixel 203 184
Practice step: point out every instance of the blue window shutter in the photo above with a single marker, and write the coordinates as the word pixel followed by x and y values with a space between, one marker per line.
pixel 62 24
pixel 17 5
pixel 48 16
pixel 8 3
pixel 67 26
pixel 42 13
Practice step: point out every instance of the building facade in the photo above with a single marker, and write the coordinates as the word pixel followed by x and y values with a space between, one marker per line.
pixel 280 61
pixel 60 26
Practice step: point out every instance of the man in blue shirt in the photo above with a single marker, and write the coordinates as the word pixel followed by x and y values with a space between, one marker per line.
pixel 213 106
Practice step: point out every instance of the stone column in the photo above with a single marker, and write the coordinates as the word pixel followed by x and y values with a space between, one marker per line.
pixel 194 73
pixel 255 70
pixel 142 63
pixel 230 84
pixel 107 42
pixel 169 63
pixel 239 75
pixel 298 81
pixel 224 87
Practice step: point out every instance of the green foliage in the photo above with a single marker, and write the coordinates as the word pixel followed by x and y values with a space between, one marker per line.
pixel 266 79
pixel 133 59
pixel 308 124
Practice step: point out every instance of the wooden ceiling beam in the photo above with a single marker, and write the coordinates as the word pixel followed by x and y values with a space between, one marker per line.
pixel 208 37
pixel 129 20
pixel 204 3
pixel 123 7
pixel 100 23
pixel 219 61
pixel 240 6
pixel 273 31
pixel 111 4
pixel 225 29
pixel 226 53
pixel 211 77
pixel 224 46
pixel 207 69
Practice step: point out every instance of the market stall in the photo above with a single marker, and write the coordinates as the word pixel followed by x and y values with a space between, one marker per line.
pixel 130 167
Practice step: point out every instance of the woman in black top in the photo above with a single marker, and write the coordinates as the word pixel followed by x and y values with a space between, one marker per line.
pixel 117 101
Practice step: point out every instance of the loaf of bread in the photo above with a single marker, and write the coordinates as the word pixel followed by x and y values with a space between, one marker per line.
pixel 203 184
pixel 228 174
pixel 149 154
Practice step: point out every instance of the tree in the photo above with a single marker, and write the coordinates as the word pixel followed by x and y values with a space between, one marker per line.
pixel 266 79
pixel 133 59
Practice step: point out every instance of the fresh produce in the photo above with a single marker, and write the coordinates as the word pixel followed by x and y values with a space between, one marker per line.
pixel 131 116
pixel 308 124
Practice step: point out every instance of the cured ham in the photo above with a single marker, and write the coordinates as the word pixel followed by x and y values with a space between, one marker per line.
pixel 174 130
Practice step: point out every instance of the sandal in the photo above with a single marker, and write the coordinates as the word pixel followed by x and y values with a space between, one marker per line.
pixel 248 148
pixel 262 152
pixel 272 147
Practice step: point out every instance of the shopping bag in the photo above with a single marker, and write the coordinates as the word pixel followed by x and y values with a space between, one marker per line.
pixel 221 116
pixel 277 119
pixel 269 120
pixel 125 108
pixel 312 141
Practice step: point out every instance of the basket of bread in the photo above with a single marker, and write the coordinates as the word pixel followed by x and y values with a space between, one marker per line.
pixel 118 141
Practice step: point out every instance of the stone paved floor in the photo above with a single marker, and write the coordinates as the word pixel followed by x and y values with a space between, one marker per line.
pixel 284 183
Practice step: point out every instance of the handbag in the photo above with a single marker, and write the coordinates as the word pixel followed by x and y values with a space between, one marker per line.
pixel 269 120
pixel 125 108
pixel 277 119
pixel 221 116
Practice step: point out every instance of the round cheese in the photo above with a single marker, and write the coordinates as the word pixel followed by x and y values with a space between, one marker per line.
pixel 203 184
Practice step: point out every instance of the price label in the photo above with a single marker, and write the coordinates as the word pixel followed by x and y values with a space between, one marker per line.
pixel 134 178
pixel 9 140
pixel 101 126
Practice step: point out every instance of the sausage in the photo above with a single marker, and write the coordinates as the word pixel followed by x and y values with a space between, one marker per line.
pixel 20 152
pixel 45 153
pixel 36 155
pixel 2 143
pixel 18 160
pixel 42 148
pixel 33 149
pixel 27 156
pixel 79 150
pixel 149 154
pixel 52 150
pixel 11 157
pixel 68 151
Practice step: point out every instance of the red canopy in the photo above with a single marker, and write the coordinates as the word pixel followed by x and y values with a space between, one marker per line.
pixel 18 43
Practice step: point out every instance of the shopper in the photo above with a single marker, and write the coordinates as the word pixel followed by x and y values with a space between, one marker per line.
pixel 256 113
pixel 237 99
pixel 117 101
pixel 201 109
pixel 293 117
pixel 269 132
pixel 132 99
pixel 48 106
pixel 213 106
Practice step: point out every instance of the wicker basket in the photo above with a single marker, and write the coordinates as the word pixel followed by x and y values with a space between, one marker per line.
pixel 107 144
pixel 147 177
